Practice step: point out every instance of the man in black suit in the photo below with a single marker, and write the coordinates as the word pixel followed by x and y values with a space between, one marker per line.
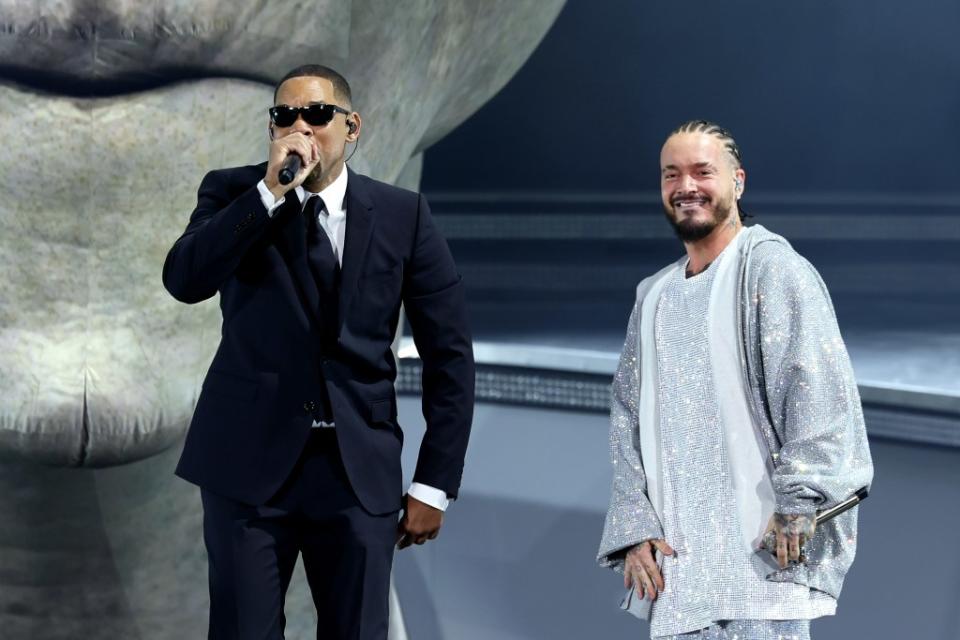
pixel 294 441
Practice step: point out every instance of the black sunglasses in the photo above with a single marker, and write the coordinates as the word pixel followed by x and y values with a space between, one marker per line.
pixel 315 115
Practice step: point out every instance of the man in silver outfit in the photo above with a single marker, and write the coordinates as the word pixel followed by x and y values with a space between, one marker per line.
pixel 735 417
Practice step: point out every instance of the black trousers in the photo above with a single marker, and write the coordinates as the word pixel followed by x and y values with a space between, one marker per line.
pixel 347 554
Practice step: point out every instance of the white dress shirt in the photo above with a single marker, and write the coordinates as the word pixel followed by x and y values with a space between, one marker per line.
pixel 333 220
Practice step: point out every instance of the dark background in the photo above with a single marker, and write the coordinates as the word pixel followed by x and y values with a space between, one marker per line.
pixel 824 98
pixel 846 114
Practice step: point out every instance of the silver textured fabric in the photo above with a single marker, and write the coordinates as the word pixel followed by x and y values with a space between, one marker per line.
pixel 712 577
pixel 631 518
pixel 749 630
pixel 803 395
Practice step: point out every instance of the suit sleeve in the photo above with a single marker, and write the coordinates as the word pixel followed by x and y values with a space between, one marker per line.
pixel 434 300
pixel 220 231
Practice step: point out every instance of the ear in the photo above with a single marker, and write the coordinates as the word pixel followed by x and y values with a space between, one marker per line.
pixel 740 176
pixel 353 124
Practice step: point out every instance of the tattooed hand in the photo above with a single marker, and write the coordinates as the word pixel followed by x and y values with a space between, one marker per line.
pixel 640 569
pixel 786 534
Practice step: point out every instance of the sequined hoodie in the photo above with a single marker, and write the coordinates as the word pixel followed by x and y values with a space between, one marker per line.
pixel 801 391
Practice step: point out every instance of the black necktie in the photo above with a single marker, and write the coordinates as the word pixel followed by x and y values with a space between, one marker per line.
pixel 323 264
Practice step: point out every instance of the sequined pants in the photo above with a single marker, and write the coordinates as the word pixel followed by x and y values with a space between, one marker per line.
pixel 749 630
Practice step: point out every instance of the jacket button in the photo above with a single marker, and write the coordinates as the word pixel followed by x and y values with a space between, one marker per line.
pixel 306 407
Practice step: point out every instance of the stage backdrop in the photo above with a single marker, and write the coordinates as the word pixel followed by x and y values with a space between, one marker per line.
pixel 110 113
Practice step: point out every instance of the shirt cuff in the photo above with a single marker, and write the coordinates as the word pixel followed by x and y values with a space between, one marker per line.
pixel 429 495
pixel 270 203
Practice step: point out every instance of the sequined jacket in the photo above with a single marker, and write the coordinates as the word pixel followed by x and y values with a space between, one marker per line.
pixel 801 390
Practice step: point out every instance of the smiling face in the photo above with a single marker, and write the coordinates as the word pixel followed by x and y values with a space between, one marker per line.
pixel 698 184
pixel 331 138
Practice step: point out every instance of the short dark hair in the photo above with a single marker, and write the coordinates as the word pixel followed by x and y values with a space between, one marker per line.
pixel 341 88
pixel 713 129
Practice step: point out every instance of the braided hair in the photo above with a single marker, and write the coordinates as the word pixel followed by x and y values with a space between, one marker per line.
pixel 729 144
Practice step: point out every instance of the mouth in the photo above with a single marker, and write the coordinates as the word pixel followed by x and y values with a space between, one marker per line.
pixel 103 48
pixel 689 203
pixel 99 365
pixel 148 86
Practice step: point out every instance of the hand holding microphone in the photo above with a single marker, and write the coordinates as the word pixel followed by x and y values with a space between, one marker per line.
pixel 292 158
pixel 785 535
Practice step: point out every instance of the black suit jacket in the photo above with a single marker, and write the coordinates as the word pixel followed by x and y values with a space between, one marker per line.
pixel 253 416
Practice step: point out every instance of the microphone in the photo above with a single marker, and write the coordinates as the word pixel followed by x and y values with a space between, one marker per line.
pixel 770 539
pixel 827 514
pixel 290 168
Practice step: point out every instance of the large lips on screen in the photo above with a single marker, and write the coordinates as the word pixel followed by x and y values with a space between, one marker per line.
pixel 110 114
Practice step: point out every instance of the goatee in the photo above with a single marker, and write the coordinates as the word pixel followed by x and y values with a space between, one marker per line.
pixel 689 230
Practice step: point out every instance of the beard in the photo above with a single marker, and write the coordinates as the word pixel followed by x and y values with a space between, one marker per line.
pixel 690 230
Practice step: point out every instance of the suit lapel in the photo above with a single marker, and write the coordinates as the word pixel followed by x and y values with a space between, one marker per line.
pixel 356 240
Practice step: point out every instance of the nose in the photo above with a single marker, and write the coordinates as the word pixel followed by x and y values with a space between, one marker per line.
pixel 687 183
pixel 300 126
